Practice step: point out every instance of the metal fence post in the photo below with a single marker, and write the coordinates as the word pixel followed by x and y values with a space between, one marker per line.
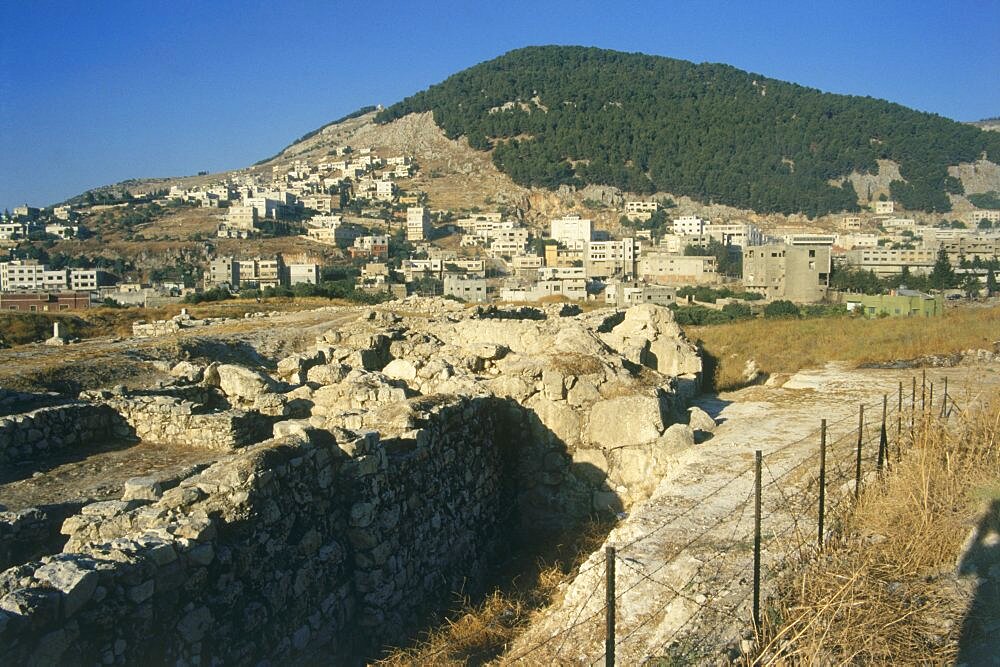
pixel 882 439
pixel 861 435
pixel 899 424
pixel 913 403
pixel 930 397
pixel 756 541
pixel 609 637
pixel 923 389
pixel 944 399
pixel 822 479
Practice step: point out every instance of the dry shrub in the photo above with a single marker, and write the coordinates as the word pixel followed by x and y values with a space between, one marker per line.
pixel 884 590
pixel 480 633
pixel 789 345
pixel 574 363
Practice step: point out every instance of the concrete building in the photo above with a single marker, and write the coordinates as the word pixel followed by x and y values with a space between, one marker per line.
pixel 305 273
pixel 669 268
pixel 370 246
pixel 604 259
pixel 626 294
pixel 688 225
pixel 885 207
pixel 42 302
pixel 525 265
pixel 782 271
pixel 418 224
pixel 641 210
pixel 465 288
pixel 31 276
pixel 572 231
pixel 973 219
pixel 734 234
pixel 223 271
pixel 890 262
pixel 984 247
pixel 898 303
pixel 809 238
pixel 242 217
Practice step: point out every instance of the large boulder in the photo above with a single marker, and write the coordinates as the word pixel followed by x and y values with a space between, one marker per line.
pixel 700 420
pixel 241 383
pixel 400 369
pixel 625 421
pixel 649 336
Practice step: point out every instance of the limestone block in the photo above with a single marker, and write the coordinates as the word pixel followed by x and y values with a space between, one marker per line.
pixel 142 488
pixel 582 393
pixel 242 383
pixel 590 465
pixel 327 373
pixel 400 369
pixel 699 420
pixel 71 576
pixel 553 384
pixel 625 421
pixel 185 370
pixel 559 418
pixel 677 438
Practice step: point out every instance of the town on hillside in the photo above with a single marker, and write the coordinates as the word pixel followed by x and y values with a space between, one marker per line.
pixel 367 238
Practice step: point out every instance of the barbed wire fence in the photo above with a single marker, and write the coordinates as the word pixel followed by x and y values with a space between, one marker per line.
pixel 850 452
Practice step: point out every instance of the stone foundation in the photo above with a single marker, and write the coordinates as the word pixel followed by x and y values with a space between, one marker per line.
pixel 45 431
pixel 335 541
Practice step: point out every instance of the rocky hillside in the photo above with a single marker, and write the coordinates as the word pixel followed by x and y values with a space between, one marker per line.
pixel 571 115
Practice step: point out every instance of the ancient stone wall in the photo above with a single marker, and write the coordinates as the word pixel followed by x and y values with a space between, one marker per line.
pixel 172 420
pixel 299 545
pixel 41 432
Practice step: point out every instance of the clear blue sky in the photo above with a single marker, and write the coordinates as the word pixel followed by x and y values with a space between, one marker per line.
pixel 93 93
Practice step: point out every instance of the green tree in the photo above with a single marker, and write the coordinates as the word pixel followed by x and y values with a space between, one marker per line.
pixel 942 276
pixel 991 282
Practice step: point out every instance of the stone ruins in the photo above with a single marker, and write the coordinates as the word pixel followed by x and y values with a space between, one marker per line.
pixel 353 486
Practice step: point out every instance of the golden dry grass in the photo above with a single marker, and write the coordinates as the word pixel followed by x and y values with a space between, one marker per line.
pixel 479 633
pixel 884 592
pixel 787 346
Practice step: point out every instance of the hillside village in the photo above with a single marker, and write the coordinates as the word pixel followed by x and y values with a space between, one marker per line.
pixel 389 242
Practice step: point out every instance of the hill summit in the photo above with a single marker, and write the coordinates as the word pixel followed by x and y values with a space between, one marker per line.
pixel 555 115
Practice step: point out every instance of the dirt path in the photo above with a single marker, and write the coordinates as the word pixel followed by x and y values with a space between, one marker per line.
pixel 684 558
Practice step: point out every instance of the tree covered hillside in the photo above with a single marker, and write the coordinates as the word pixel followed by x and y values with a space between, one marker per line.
pixel 555 115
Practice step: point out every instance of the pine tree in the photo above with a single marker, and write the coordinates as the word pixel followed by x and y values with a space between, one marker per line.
pixel 942 276
pixel 991 282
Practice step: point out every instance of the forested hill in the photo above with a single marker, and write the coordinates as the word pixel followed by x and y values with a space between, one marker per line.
pixel 555 115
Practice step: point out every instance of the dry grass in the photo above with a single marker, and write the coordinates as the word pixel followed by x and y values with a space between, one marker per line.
pixel 479 633
pixel 575 363
pixel 884 591
pixel 787 346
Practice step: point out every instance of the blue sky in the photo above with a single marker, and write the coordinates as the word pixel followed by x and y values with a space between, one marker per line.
pixel 92 93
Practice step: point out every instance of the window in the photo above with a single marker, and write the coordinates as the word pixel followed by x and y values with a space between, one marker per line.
pixel 812 253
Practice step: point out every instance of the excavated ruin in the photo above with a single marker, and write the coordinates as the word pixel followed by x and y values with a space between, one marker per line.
pixel 329 503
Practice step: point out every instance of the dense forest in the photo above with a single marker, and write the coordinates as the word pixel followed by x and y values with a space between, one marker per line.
pixel 573 115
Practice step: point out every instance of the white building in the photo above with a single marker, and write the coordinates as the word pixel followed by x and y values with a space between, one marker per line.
pixel 418 224
pixel 572 231
pixel 689 225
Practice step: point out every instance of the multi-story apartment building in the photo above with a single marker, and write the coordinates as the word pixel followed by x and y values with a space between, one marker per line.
pixel 734 234
pixel 604 259
pixel 890 261
pixel 688 225
pixel 418 224
pixel 670 268
pixel 572 231
pixel 641 210
pixel 782 271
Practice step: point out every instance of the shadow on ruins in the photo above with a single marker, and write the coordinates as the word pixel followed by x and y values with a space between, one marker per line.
pixel 352 499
